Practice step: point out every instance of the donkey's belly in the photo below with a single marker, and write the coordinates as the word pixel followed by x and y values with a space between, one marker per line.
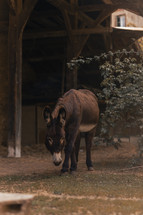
pixel 86 127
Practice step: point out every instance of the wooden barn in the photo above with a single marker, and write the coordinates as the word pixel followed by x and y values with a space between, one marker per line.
pixel 37 39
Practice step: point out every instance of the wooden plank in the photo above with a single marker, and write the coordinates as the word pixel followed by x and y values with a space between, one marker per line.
pixel 18 98
pixel 15 71
pixel 68 25
pixel 3 26
pixel 25 13
pixel 12 77
pixel 12 6
pixel 17 21
pixel 46 58
pixel 84 31
pixel 107 1
pixel 18 90
pixel 61 4
pixel 12 197
pixel 13 203
pixel 75 3
pixel 103 15
pixel 71 8
pixel 99 7
pixel 97 30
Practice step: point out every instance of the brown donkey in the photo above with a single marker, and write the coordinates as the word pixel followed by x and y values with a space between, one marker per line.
pixel 77 111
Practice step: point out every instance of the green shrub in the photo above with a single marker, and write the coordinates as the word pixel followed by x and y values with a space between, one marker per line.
pixel 121 89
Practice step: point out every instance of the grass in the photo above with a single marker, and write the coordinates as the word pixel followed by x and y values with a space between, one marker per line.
pixel 109 190
pixel 83 193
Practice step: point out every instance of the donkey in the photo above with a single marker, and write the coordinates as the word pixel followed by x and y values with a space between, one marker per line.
pixel 77 111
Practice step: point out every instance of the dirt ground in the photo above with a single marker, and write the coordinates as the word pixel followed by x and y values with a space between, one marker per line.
pixel 113 188
pixel 36 159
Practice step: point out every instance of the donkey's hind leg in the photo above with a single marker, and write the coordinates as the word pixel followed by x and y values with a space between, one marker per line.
pixel 88 139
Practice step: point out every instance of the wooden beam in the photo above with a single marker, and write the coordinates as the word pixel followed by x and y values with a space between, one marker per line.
pixel 84 31
pixel 75 2
pixel 62 4
pixel 47 58
pixel 99 7
pixel 103 15
pixel 15 73
pixel 3 26
pixel 25 13
pixel 43 34
pixel 12 6
pixel 72 8
pixel 18 16
pixel 88 21
pixel 68 25
pixel 107 1
pixel 97 30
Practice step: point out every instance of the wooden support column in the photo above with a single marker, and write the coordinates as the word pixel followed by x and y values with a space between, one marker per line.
pixel 73 51
pixel 18 16
pixel 15 70
pixel 107 36
pixel 75 45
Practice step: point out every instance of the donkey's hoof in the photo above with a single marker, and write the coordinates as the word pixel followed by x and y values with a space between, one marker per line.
pixel 64 171
pixel 90 168
pixel 73 172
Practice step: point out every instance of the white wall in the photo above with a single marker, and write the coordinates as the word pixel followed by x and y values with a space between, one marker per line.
pixel 131 18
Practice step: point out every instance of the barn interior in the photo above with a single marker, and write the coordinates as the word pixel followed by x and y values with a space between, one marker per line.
pixel 55 33
pixel 41 36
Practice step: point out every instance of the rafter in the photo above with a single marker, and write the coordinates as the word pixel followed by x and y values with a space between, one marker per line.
pixel 84 31
pixel 12 6
pixel 106 10
pixel 99 7
pixel 68 24
pixel 103 15
pixel 107 1
pixel 27 9
pixel 63 5
pixel 41 59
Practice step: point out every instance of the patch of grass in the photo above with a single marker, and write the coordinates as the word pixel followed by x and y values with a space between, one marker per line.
pixel 90 184
pixel 112 186
pixel 84 206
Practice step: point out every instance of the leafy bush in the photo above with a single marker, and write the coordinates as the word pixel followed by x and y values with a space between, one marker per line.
pixel 122 90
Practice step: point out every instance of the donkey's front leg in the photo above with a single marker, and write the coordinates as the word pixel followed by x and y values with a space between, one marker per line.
pixel 69 148
pixel 68 151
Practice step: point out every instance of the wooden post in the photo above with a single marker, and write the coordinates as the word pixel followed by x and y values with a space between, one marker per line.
pixel 18 16
pixel 75 45
pixel 63 77
pixel 73 51
pixel 15 73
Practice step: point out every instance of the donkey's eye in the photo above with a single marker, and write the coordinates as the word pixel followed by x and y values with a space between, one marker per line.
pixel 62 140
pixel 50 140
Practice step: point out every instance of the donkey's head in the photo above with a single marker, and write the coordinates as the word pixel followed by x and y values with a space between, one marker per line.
pixel 55 138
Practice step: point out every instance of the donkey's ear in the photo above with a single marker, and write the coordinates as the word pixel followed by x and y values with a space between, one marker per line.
pixel 62 116
pixel 47 115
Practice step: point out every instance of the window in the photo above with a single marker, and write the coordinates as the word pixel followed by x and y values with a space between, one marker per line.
pixel 121 21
